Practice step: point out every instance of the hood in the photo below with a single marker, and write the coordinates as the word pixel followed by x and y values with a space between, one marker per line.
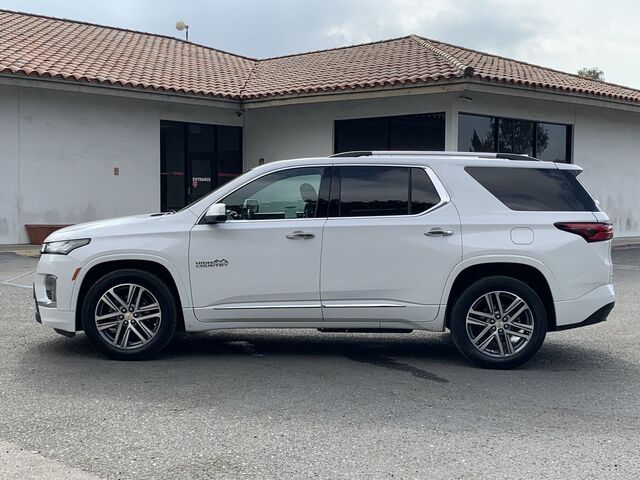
pixel 113 226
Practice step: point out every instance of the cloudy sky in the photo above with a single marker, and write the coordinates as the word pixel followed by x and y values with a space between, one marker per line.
pixel 563 34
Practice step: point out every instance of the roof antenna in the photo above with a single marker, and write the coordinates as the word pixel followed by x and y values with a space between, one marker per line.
pixel 180 25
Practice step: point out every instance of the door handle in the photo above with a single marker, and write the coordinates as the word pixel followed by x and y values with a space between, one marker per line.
pixel 438 232
pixel 299 235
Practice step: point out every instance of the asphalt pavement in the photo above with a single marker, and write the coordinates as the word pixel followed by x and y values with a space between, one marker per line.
pixel 305 404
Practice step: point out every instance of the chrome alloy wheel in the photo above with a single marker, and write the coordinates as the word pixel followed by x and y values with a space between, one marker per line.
pixel 128 316
pixel 500 324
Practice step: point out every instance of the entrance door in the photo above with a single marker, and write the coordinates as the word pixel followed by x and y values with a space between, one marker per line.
pixel 196 159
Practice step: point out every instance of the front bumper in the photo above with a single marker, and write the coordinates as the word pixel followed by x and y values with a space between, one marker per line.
pixel 593 307
pixel 64 321
pixel 57 313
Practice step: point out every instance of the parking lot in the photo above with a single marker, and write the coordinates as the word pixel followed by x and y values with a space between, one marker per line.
pixel 305 404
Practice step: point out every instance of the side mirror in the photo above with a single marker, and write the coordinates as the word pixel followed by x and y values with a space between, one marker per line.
pixel 217 213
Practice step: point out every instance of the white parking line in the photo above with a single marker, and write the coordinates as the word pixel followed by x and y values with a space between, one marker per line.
pixel 627 267
pixel 11 281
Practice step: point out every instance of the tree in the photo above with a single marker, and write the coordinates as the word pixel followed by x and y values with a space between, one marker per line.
pixel 591 72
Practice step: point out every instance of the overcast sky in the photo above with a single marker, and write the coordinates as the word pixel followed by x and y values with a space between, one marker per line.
pixel 562 34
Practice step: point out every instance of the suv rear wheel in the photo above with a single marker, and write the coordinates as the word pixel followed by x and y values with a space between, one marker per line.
pixel 129 314
pixel 498 322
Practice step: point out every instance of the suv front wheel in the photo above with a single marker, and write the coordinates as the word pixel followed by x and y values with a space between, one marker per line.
pixel 498 322
pixel 129 314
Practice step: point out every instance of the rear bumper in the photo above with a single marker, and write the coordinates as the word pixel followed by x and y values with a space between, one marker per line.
pixel 598 316
pixel 591 308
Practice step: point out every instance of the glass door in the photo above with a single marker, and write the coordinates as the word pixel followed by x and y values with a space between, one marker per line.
pixel 196 159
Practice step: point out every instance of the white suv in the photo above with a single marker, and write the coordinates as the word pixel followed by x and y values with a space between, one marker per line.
pixel 499 249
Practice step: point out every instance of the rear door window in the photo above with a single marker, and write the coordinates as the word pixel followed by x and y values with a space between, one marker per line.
pixel 535 189
pixel 369 191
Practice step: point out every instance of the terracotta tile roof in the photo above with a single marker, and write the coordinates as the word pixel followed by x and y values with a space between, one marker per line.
pixel 48 47
pixel 54 48
pixel 392 62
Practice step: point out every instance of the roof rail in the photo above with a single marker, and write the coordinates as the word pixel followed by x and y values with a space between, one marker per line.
pixel 421 153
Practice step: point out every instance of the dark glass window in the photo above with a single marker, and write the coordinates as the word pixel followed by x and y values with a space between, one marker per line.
pixel 196 159
pixel 172 166
pixel 423 193
pixel 553 142
pixel 515 136
pixel 403 132
pixel 373 191
pixel 535 189
pixel 546 141
pixel 369 191
pixel 291 193
pixel 476 133
pixel 229 154
pixel 417 132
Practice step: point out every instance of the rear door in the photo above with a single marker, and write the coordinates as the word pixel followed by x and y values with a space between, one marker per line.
pixel 390 242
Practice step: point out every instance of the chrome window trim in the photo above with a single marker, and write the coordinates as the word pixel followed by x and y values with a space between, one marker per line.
pixel 439 186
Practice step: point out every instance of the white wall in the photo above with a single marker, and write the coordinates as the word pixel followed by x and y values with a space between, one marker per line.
pixel 9 165
pixel 58 151
pixel 606 141
pixel 276 133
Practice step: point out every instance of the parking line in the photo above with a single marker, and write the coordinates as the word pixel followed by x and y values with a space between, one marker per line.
pixel 11 280
pixel 627 267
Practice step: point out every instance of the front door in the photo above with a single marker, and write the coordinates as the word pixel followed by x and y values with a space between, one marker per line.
pixel 264 262
pixel 389 244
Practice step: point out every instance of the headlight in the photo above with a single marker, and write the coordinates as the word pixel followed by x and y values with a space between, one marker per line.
pixel 63 247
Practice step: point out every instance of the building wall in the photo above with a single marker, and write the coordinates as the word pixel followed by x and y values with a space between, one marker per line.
pixel 276 133
pixel 606 142
pixel 58 151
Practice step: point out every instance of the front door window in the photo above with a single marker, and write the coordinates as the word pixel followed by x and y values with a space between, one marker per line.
pixel 287 194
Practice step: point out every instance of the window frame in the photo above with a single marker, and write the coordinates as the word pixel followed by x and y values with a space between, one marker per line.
pixel 323 195
pixel 496 133
pixel 335 190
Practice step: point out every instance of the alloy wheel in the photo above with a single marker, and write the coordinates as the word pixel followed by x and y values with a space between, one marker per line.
pixel 128 316
pixel 500 324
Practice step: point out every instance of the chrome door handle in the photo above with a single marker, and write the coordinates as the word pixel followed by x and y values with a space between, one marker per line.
pixel 299 235
pixel 438 232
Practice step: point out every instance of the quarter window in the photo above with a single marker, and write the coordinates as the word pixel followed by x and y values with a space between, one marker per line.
pixel 370 191
pixel 535 189
pixel 285 194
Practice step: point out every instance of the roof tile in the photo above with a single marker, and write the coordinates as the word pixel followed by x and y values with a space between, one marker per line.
pixel 51 47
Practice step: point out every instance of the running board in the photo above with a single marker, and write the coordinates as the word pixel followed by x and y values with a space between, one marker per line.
pixel 365 330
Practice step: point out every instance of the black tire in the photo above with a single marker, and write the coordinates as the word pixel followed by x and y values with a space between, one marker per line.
pixel 164 330
pixel 489 358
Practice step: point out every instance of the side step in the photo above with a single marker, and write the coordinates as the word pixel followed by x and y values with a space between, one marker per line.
pixel 365 330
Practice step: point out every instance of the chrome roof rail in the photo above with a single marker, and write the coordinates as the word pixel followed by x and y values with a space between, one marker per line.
pixel 419 153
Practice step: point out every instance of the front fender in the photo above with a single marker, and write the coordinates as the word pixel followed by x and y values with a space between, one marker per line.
pixel 178 276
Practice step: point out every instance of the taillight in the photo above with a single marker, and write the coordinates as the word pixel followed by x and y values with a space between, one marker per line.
pixel 590 231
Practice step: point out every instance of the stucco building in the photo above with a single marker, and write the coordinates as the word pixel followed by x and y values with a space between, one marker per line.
pixel 98 122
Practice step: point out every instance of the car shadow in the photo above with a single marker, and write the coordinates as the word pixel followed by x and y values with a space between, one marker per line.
pixel 245 346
